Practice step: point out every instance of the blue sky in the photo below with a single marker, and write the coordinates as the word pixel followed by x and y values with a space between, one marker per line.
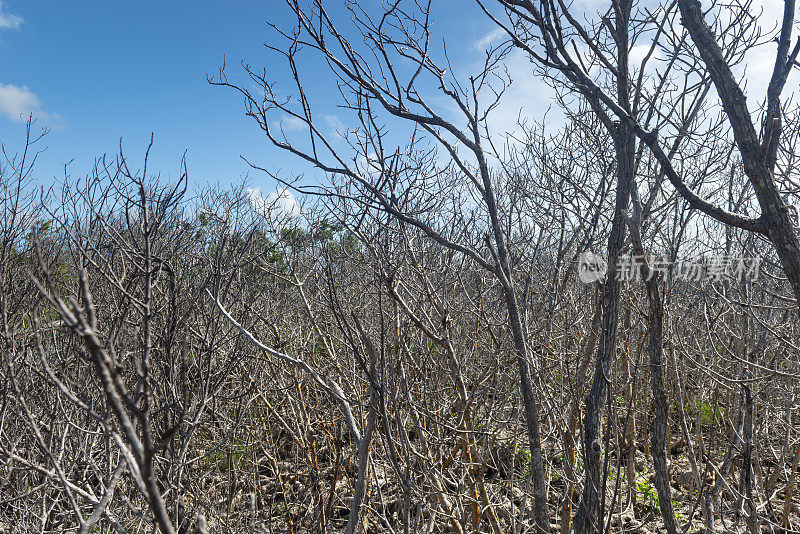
pixel 97 71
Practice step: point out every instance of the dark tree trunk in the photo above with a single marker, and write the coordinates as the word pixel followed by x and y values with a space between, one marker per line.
pixel 532 410
pixel 658 435
pixel 746 477
pixel 758 156
pixel 587 518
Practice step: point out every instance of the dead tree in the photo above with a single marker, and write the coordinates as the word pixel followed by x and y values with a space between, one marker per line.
pixel 402 32
pixel 544 32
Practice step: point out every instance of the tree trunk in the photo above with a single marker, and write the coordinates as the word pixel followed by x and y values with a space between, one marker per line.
pixel 746 477
pixel 586 518
pixel 658 436
pixel 758 157
pixel 532 410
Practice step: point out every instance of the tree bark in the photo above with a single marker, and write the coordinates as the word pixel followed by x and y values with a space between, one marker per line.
pixel 587 518
pixel 658 435
pixel 758 157
pixel 532 410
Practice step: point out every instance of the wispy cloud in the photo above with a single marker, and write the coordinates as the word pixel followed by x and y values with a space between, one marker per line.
pixel 9 21
pixel 527 96
pixel 489 39
pixel 288 123
pixel 17 103
pixel 335 124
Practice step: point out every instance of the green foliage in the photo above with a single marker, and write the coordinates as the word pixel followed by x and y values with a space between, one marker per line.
pixel 524 455
pixel 709 415
pixel 232 456
pixel 649 494
pixel 320 232
pixel 479 425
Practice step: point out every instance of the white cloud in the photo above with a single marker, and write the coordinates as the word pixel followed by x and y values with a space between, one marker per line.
pixel 290 123
pixel 528 96
pixel 639 52
pixel 9 21
pixel 279 204
pixel 489 39
pixel 368 165
pixel 18 102
pixel 335 124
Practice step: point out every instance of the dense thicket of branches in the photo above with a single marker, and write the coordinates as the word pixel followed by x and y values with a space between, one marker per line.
pixel 414 351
